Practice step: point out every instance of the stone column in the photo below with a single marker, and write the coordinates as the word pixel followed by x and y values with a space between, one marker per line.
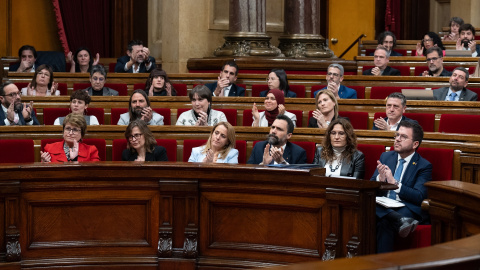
pixel 247 36
pixel 302 31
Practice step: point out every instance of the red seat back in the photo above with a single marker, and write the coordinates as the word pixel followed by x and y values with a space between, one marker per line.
pixel 372 154
pixel 310 148
pixel 118 145
pixel 111 67
pixel 231 115
pixel 115 114
pixel 241 146
pixel 442 162
pixel 188 145
pixel 62 87
pixel 16 151
pixel 382 92
pixel 359 120
pixel 257 88
pixel 456 123
pixel 50 114
pixel 248 117
pixel 165 112
pixel 298 89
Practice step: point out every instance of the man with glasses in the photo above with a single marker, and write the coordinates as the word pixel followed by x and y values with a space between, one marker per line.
pixel 225 85
pixel 456 91
pixel 98 77
pixel 408 171
pixel 380 60
pixel 395 108
pixel 13 112
pixel 334 79
pixel 467 40
pixel 435 64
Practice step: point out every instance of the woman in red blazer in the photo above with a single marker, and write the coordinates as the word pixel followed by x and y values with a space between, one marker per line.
pixel 71 148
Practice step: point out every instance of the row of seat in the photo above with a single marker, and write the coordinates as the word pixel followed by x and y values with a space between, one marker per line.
pixel 449 123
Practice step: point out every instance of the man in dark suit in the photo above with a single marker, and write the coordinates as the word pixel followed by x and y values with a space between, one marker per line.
pixel 435 64
pixel 225 85
pixel 28 57
pixel 381 59
pixel 457 90
pixel 334 80
pixel 277 149
pixel 406 169
pixel 395 108
pixel 467 39
pixel 137 60
pixel 389 41
pixel 13 112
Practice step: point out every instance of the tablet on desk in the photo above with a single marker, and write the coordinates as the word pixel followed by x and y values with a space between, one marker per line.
pixel 418 94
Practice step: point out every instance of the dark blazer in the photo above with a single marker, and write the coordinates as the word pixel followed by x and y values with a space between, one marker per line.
pixel 293 154
pixel 466 95
pixel 389 71
pixel 120 66
pixel 21 120
pixel 85 152
pixel 355 168
pixel 413 191
pixel 393 53
pixel 312 122
pixel 159 154
pixel 105 91
pixel 235 90
pixel 15 66
pixel 404 118
pixel 343 92
pixel 290 93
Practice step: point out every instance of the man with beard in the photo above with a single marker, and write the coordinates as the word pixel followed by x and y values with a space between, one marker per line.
pixel 13 112
pixel 435 64
pixel 457 90
pixel 139 108
pixel 225 85
pixel 467 39
pixel 380 60
pixel 408 171
pixel 395 108
pixel 334 80
pixel 277 149
pixel 137 60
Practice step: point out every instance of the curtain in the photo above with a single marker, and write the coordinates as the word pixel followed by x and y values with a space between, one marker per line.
pixel 393 17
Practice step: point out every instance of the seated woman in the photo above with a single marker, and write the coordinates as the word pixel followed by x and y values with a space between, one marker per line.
pixel 158 84
pixel 82 61
pixel 220 147
pixel 201 113
pixel 42 83
pixel 141 144
pixel 274 105
pixel 430 39
pixel 277 79
pixel 98 78
pixel 71 148
pixel 79 101
pixel 327 109
pixel 338 153
pixel 453 34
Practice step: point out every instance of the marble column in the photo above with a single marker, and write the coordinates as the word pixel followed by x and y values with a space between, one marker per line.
pixel 247 35
pixel 302 31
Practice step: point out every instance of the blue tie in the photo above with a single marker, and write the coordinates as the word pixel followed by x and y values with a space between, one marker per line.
pixel 398 173
pixel 453 96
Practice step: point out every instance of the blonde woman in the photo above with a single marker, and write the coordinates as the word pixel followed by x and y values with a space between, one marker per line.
pixel 220 147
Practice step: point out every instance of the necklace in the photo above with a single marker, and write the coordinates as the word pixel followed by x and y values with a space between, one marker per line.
pixel 336 167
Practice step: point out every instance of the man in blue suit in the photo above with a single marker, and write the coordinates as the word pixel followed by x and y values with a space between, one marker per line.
pixel 137 60
pixel 406 169
pixel 277 149
pixel 225 85
pixel 13 112
pixel 334 80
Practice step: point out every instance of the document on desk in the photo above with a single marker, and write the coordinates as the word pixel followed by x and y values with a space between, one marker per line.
pixel 388 203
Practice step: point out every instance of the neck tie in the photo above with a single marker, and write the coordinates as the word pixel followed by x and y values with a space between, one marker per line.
pixel 398 173
pixel 453 96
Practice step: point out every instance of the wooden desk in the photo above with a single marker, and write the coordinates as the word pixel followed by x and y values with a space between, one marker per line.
pixel 178 215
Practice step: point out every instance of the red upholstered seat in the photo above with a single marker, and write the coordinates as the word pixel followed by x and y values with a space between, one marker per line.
pixel 359 120
pixel 298 89
pixel 118 145
pixel 372 154
pixel 404 70
pixel 257 88
pixel 99 143
pixel 310 148
pixel 62 87
pixel 459 123
pixel 50 114
pixel 188 145
pixel 360 90
pixel 21 85
pixel 165 112
pixel 16 151
pixel 231 115
pixel 139 86
pixel 241 146
pixel 426 120
pixel 382 92
pixel 111 67
pixel 116 112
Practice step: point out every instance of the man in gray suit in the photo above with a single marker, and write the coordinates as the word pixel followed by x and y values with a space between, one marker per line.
pixel 457 90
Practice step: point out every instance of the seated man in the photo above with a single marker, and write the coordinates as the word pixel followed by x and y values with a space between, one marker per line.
pixel 389 41
pixel 334 80
pixel 98 78
pixel 395 108
pixel 137 60
pixel 381 59
pixel 139 108
pixel 225 85
pixel 28 57
pixel 406 169
pixel 277 149
pixel 13 112
pixel 457 90
pixel 467 40
pixel 435 64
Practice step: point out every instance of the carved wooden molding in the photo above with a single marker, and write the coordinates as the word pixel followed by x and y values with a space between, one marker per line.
pixel 190 243
pixel 13 246
pixel 165 246
pixel 330 247
pixel 352 247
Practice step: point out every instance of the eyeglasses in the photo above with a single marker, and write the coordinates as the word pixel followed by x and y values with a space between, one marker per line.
pixel 334 133
pixel 271 79
pixel 427 40
pixel 333 74
pixel 72 130
pixel 433 59
pixel 135 136
pixel 101 79
pixel 13 95
pixel 401 137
